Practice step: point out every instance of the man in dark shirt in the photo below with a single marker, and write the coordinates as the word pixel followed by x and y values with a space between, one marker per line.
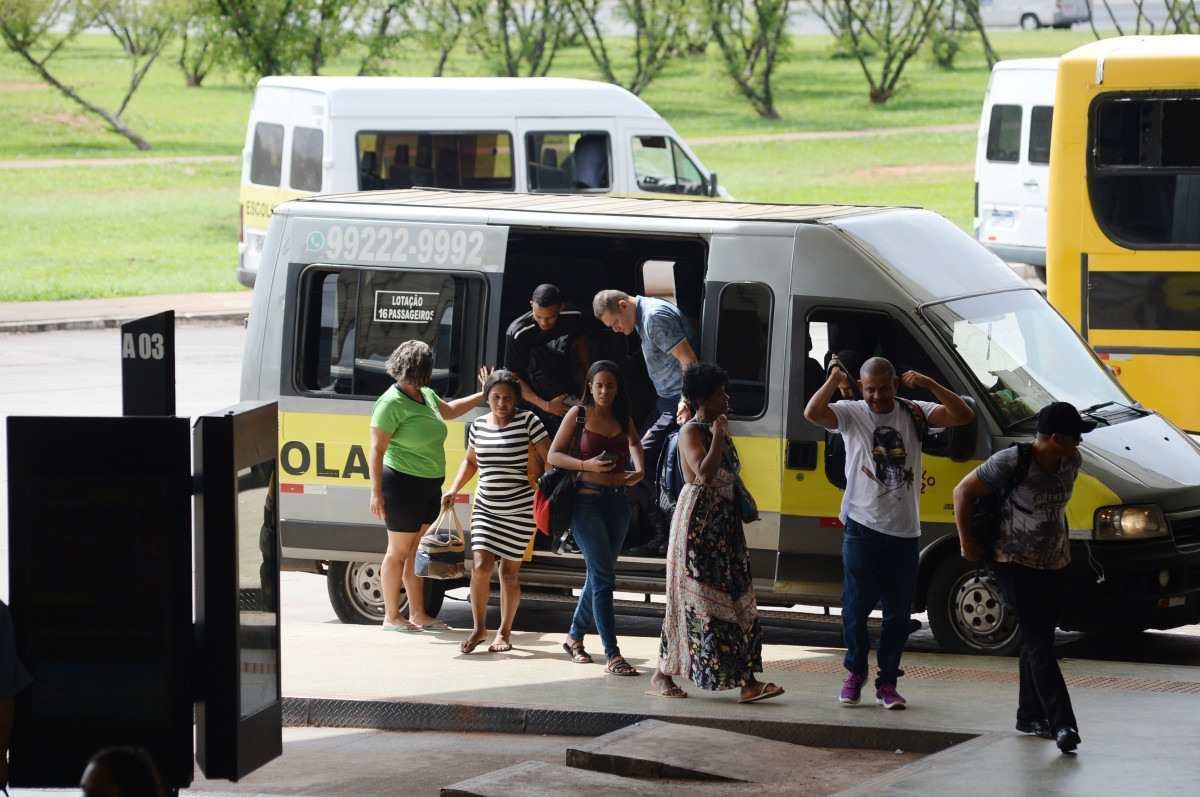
pixel 546 349
pixel 1031 556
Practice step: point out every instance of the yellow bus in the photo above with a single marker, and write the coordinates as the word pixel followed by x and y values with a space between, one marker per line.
pixel 1123 242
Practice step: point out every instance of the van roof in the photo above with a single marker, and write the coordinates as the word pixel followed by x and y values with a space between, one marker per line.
pixel 467 96
pixel 1026 64
pixel 596 204
pixel 1177 46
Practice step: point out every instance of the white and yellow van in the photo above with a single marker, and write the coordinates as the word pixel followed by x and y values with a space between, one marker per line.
pixel 772 290
pixel 312 135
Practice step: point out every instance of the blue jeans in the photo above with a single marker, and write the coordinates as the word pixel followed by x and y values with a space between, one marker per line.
pixel 876 568
pixel 599 521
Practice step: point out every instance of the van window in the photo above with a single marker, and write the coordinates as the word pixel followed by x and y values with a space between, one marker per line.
pixel 1144 179
pixel 1040 119
pixel 353 319
pixel 1004 134
pixel 479 161
pixel 658 279
pixel 568 162
pixel 266 156
pixel 308 146
pixel 743 345
pixel 662 166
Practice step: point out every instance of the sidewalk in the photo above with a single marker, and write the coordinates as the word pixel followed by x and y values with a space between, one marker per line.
pixel 230 307
pixel 1137 721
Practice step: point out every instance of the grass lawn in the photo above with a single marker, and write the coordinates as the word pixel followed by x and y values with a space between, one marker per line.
pixel 79 232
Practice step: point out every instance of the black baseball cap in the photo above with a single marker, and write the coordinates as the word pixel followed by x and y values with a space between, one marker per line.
pixel 1059 417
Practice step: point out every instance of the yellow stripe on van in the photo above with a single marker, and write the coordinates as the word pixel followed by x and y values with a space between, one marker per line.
pixel 316 448
pixel 259 201
pixel 1089 495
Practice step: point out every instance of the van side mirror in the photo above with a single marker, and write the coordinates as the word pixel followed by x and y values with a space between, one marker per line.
pixel 957 442
pixel 711 187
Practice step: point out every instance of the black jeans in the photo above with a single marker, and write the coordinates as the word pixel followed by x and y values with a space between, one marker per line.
pixel 1035 595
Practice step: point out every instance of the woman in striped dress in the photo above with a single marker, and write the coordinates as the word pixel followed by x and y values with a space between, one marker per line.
pixel 499 447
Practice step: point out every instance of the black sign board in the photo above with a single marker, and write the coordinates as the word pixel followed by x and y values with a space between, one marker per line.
pixel 239 716
pixel 100 576
pixel 148 365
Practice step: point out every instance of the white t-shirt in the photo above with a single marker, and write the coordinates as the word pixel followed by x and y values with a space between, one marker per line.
pixel 883 467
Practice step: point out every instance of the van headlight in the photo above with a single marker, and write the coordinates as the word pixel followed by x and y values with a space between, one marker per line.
pixel 1129 523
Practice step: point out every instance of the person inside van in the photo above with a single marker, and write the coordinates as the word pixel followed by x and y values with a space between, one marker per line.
pixel 500 445
pixel 407 466
pixel 668 347
pixel 881 509
pixel 547 349
pixel 610 460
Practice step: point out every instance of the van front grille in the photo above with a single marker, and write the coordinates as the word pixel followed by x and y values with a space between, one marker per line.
pixel 1186 531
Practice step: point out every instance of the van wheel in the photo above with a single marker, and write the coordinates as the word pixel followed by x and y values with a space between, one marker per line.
pixel 356 593
pixel 1030 22
pixel 966 613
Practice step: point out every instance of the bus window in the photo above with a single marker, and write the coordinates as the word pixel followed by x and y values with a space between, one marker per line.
pixel 1143 180
pixel 1004 134
pixel 1152 300
pixel 266 156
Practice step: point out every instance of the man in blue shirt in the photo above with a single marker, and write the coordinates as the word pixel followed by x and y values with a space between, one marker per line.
pixel 668 348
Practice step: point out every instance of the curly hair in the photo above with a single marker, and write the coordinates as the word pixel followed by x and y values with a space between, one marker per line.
pixel 701 380
pixel 502 376
pixel 412 361
pixel 620 407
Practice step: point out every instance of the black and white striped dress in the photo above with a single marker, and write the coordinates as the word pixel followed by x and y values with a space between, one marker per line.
pixel 502 521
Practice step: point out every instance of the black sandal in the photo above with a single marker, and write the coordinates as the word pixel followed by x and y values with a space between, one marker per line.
pixel 618 666
pixel 576 653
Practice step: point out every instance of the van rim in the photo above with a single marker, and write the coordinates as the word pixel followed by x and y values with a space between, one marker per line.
pixel 978 614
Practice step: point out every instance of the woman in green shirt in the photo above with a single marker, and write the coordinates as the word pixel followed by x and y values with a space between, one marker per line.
pixel 408 466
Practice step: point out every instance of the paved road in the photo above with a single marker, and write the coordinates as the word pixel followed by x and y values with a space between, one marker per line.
pixel 77 372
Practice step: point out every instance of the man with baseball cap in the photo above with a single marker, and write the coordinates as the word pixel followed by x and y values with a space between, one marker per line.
pixel 1032 551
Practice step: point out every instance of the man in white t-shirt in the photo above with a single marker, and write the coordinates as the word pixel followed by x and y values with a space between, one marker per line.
pixel 880 508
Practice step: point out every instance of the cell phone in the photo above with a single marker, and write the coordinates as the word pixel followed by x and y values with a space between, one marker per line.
pixel 607 456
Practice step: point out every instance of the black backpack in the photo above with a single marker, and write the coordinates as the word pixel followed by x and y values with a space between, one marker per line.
pixel 986 512
pixel 835 445
pixel 670 474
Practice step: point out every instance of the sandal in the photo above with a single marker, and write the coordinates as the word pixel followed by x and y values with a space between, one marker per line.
pixel 469 644
pixel 576 653
pixel 503 646
pixel 672 691
pixel 765 692
pixel 618 666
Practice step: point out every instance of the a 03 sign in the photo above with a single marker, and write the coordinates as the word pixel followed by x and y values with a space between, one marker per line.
pixel 143 346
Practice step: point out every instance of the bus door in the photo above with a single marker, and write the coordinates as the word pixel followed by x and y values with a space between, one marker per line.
pixel 355 291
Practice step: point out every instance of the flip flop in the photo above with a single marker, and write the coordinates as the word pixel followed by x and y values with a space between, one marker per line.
pixel 468 645
pixel 436 625
pixel 500 647
pixel 673 692
pixel 767 692
pixel 403 628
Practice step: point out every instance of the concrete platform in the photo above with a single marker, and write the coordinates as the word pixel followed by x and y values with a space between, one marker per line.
pixel 1138 721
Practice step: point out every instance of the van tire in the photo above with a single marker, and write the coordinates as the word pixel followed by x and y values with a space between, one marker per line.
pixel 1030 22
pixel 356 593
pixel 966 614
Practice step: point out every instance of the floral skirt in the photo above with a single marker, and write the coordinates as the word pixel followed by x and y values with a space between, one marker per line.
pixel 711 632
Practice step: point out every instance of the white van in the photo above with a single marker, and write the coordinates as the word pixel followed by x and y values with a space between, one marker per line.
pixel 1012 160
pixel 310 135
pixel 1033 14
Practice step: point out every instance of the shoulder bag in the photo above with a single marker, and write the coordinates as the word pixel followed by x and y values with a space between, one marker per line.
pixel 555 496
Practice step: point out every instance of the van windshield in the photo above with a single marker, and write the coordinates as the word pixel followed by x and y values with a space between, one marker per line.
pixel 1024 354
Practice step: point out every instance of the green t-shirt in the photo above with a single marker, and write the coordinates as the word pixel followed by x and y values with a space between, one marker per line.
pixel 418 432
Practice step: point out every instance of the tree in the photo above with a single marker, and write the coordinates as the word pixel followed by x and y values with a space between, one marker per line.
pixel 752 37
pixel 1183 16
pixel 896 29
pixel 517 37
pixel 199 44
pixel 267 37
pixel 38 30
pixel 971 9
pixel 380 23
pixel 437 26
pixel 657 26
pixel 330 23
pixel 693 35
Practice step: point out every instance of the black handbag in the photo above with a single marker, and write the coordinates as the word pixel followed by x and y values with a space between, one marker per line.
pixel 554 500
